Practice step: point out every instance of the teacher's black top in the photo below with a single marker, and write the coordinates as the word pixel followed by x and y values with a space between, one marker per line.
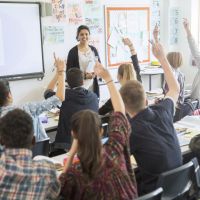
pixel 73 61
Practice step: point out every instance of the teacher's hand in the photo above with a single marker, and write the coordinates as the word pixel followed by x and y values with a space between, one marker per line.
pixel 89 75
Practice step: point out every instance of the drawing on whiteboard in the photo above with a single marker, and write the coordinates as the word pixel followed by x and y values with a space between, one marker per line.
pixel 127 22
pixel 1 45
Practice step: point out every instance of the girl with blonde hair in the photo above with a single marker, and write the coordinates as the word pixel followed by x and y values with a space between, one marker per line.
pixel 126 72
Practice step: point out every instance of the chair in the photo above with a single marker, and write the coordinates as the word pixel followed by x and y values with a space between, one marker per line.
pixel 196 171
pixel 176 183
pixel 41 148
pixel 155 195
pixel 196 178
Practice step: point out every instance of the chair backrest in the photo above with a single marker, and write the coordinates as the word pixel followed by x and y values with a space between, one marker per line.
pixel 41 148
pixel 155 195
pixel 196 171
pixel 176 182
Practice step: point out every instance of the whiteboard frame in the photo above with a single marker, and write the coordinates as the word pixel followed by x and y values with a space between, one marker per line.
pixel 107 9
pixel 37 75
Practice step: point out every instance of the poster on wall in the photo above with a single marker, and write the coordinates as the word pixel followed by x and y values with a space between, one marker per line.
pixel 174 25
pixel 155 13
pixel 53 34
pixel 94 17
pixel 58 10
pixel 119 24
pixel 75 12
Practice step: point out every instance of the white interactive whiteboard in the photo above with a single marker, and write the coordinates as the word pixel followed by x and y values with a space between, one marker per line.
pixel 132 22
pixel 21 54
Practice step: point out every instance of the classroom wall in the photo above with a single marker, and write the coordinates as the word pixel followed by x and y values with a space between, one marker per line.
pixel 186 11
pixel 29 90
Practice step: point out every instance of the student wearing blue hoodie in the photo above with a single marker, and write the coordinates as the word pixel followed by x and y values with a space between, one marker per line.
pixel 77 98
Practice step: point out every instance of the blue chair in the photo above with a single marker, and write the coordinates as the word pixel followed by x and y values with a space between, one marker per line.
pixel 155 195
pixel 176 183
pixel 41 148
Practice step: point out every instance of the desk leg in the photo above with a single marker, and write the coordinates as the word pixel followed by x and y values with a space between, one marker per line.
pixel 162 80
pixel 149 82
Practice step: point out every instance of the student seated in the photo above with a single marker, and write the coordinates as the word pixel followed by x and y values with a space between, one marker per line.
pixel 175 60
pixel 125 73
pixel 35 108
pixel 103 172
pixel 195 92
pixel 153 141
pixel 76 98
pixel 20 176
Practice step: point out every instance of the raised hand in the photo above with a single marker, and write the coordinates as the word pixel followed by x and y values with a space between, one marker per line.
pixel 186 25
pixel 158 50
pixel 156 33
pixel 100 71
pixel 59 64
pixel 127 42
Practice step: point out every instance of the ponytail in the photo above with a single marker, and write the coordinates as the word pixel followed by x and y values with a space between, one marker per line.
pixel 86 126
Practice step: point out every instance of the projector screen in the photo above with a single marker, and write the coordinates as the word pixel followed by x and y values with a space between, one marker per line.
pixel 21 54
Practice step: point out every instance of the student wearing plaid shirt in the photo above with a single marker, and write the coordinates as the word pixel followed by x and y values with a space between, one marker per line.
pixel 20 176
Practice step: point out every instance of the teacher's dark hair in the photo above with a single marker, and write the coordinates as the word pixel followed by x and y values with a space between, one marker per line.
pixel 81 27
pixel 4 91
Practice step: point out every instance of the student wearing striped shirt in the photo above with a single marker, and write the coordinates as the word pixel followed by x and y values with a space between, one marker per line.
pixel 34 109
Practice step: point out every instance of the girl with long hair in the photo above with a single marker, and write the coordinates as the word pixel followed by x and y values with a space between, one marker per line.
pixel 103 171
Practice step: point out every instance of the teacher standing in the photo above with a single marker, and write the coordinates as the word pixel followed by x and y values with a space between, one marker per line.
pixel 84 56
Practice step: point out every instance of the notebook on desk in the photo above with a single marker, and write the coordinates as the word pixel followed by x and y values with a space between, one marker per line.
pixel 183 141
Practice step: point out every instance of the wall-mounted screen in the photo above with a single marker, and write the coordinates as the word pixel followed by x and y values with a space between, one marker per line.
pixel 21 53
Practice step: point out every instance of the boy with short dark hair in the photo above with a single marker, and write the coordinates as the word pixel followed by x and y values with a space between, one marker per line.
pixel 77 98
pixel 153 141
pixel 20 176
